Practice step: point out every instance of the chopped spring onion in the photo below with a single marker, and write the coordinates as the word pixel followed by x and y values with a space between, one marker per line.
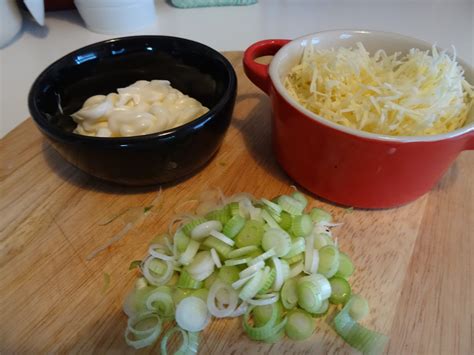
pixel 318 215
pixel 184 345
pixel 222 215
pixel 262 314
pixel 322 310
pixel 328 260
pixel 266 330
pixel 202 293
pixel 161 302
pixel 298 196
pixel 251 234
pixel 187 281
pixel 234 208
pixel 159 253
pixel 357 336
pixel 267 217
pixel 143 330
pixel 308 253
pixel 252 269
pixel 289 296
pixel 229 274
pixel 290 205
pixel 297 247
pixel 203 230
pixel 222 248
pixel 187 228
pixel 359 307
pixel 180 240
pixel 264 301
pixel 268 280
pixel 296 269
pixel 278 240
pixel 215 258
pixel 237 253
pixel 202 266
pixel 252 286
pixel 309 297
pixel 262 257
pixel 300 325
pixel 272 206
pixel 286 220
pixel 233 262
pixel 192 314
pixel 228 301
pixel 222 238
pixel 340 290
pixel 157 279
pixel 266 260
pixel 346 267
pixel 234 226
pixel 279 279
pixel 240 282
pixel 189 253
pixel 302 225
pixel 322 239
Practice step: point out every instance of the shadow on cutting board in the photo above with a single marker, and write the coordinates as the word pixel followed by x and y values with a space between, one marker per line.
pixel 256 130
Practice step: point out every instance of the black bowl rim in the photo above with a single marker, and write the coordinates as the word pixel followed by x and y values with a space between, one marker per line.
pixel 134 140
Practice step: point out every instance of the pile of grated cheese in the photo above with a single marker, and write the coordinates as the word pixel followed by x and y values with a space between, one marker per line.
pixel 416 94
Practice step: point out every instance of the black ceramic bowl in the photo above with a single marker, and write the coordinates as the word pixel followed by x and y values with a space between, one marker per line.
pixel 101 68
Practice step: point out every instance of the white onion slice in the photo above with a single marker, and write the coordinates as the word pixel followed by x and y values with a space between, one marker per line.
pixel 222 237
pixel 296 270
pixel 240 282
pixel 144 337
pixel 314 262
pixel 161 280
pixel 192 314
pixel 252 269
pixel 203 230
pixel 215 258
pixel 262 257
pixel 231 299
pixel 279 274
pixel 241 309
pixel 263 301
pixel 152 250
pixel 308 253
pixel 189 253
pixel 202 266
pixel 234 262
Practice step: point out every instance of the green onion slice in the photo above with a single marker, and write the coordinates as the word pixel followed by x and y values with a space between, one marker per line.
pixel 136 336
pixel 192 314
pixel 357 336
pixel 328 260
pixel 184 344
pixel 289 296
pixel 340 290
pixel 300 325
pixel 278 240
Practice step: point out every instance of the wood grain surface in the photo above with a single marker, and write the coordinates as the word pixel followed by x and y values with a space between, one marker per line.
pixel 413 263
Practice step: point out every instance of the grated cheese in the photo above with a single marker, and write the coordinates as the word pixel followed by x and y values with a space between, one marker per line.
pixel 421 93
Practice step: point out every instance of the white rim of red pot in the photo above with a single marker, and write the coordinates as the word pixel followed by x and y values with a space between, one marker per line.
pixel 283 53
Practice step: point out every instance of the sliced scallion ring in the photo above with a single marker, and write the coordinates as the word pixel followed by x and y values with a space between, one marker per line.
pixel 184 344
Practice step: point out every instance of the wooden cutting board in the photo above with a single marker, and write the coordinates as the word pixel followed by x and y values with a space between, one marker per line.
pixel 413 262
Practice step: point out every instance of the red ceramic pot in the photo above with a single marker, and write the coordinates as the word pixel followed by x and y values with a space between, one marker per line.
pixel 341 164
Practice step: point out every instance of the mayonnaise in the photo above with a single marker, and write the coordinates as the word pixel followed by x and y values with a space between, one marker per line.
pixel 142 108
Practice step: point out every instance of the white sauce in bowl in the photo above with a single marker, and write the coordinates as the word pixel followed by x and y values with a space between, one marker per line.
pixel 142 108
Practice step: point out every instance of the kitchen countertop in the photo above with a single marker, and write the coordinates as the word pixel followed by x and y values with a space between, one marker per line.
pixel 445 22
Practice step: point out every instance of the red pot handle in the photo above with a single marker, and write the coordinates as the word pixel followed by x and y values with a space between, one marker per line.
pixel 256 72
pixel 470 141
